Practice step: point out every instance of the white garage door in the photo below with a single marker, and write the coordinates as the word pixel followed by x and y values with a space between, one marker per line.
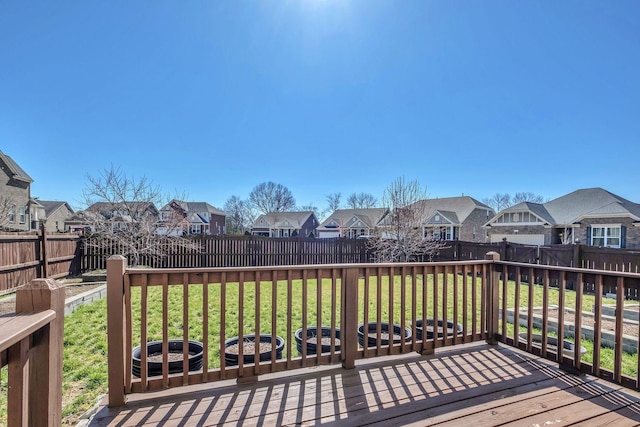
pixel 525 239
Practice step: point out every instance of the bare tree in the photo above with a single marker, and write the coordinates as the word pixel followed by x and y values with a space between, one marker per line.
pixel 361 201
pixel 498 201
pixel 271 197
pixel 311 208
pixel 526 196
pixel 6 206
pixel 240 215
pixel 333 203
pixel 122 213
pixel 566 237
pixel 501 201
pixel 401 238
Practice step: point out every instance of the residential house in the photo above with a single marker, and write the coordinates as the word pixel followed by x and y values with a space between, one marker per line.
pixel 351 223
pixel 179 218
pixel 454 218
pixel 591 216
pixel 15 195
pixel 286 224
pixel 54 214
pixel 120 215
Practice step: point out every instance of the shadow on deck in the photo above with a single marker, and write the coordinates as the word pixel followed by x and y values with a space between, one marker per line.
pixel 476 384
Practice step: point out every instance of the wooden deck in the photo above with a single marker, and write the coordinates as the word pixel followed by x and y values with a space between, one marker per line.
pixel 472 385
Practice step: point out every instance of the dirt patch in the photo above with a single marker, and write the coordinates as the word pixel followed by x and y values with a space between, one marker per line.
pixel 8 302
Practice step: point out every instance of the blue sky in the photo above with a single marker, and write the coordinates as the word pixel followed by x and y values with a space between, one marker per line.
pixel 211 98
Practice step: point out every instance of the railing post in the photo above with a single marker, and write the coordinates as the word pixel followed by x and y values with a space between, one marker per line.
pixel 349 331
pixel 116 265
pixel 492 295
pixel 45 366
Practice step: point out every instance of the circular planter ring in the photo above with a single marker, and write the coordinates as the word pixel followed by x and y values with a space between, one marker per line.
pixel 312 331
pixel 231 359
pixel 372 339
pixel 552 343
pixel 175 346
pixel 429 328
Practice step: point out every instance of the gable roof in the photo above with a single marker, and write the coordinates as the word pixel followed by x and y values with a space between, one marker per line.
pixel 349 217
pixel 14 170
pixel 448 216
pixel 579 204
pixel 589 203
pixel 283 219
pixel 457 208
pixel 51 206
pixel 194 207
pixel 538 209
pixel 108 207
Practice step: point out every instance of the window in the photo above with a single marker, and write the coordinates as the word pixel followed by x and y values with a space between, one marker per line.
pixel 12 214
pixel 517 217
pixel 23 216
pixel 606 235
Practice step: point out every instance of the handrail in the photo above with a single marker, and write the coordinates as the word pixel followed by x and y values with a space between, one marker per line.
pixel 572 269
pixel 31 345
pixel 16 327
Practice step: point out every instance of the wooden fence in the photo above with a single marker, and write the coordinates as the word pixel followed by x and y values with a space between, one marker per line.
pixel 27 256
pixel 24 257
pixel 240 251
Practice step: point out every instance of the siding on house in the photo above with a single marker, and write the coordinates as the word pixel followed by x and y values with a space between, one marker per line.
pixel 15 186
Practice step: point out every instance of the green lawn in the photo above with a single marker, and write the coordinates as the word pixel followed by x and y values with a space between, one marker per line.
pixel 85 340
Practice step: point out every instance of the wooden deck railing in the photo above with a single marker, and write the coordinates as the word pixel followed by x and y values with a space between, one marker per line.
pixel 601 338
pixel 31 344
pixel 357 311
pixel 365 310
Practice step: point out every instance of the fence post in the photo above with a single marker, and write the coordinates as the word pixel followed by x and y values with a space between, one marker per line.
pixel 44 256
pixel 492 295
pixel 577 255
pixel 45 366
pixel 116 265
pixel 349 331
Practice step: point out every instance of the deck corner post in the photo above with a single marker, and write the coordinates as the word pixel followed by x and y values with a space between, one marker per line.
pixel 349 331
pixel 45 366
pixel 492 295
pixel 116 265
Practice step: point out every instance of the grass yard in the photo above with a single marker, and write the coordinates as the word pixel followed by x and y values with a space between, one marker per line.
pixel 85 339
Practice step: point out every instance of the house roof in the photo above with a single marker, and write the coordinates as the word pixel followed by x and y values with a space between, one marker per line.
pixel 573 207
pixel 350 217
pixel 538 209
pixel 293 220
pixel 590 202
pixel 449 217
pixel 194 207
pixel 14 170
pixel 51 206
pixel 461 207
pixel 132 206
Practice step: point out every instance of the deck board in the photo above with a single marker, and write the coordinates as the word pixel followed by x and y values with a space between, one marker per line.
pixel 477 385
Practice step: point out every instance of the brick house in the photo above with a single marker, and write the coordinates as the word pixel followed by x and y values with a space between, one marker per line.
pixel 351 223
pixel 192 218
pixel 54 214
pixel 454 218
pixel 15 195
pixel 591 216
pixel 286 224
